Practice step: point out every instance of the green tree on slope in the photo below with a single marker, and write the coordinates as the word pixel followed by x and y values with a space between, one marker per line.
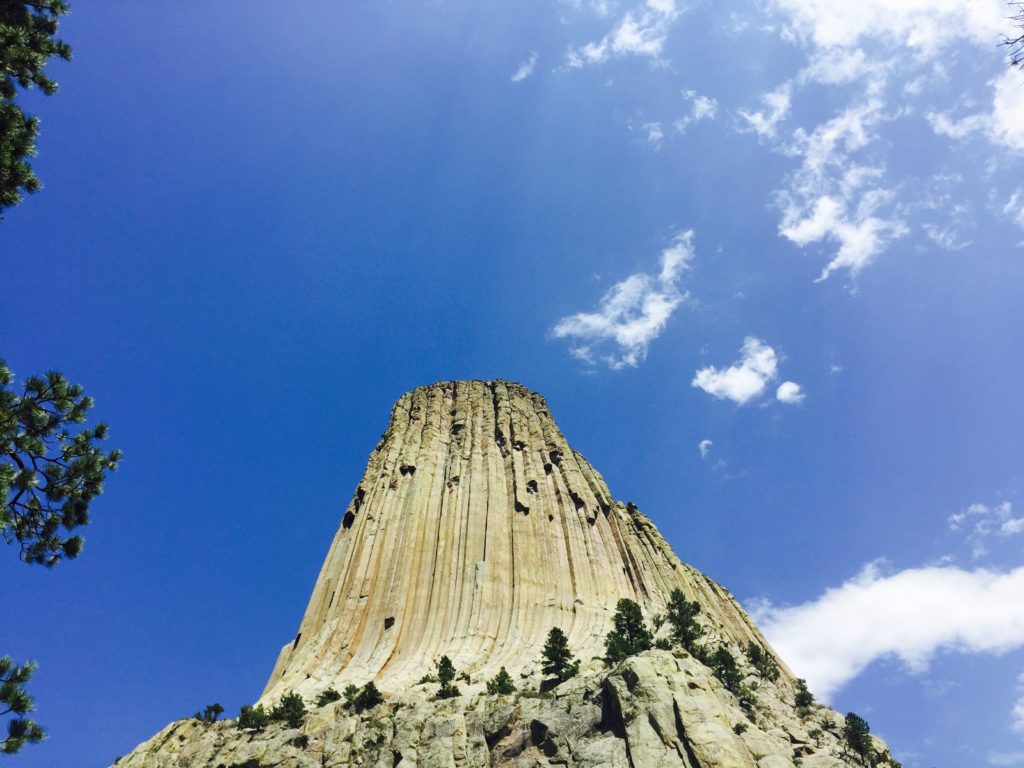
pixel 629 635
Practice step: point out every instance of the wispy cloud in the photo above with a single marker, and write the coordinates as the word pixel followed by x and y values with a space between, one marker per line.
pixel 835 198
pixel 632 314
pixel 704 446
pixel 701 108
pixel 776 102
pixel 1018 707
pixel 1014 208
pixel 983 522
pixel 1003 125
pixel 925 26
pixel 640 32
pixel 746 379
pixel 842 193
pixel 525 69
pixel 914 614
pixel 654 132
pixel 1005 758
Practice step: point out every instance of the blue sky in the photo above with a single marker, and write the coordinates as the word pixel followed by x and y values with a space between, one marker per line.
pixel 763 259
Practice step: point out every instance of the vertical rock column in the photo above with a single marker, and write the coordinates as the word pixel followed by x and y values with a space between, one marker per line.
pixel 474 530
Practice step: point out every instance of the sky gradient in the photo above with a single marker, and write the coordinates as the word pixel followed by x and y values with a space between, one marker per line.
pixel 764 260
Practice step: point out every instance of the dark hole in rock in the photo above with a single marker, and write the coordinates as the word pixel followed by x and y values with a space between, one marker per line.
pixel 519 445
pixel 499 437
pixel 357 502
pixel 606 508
pixel 591 520
pixel 520 507
pixel 576 500
pixel 407 469
pixel 457 428
pixel 538 732
pixel 551 518
pixel 547 469
pixel 348 519
pixel 396 758
pixel 631 508
pixel 296 643
pixel 492 738
pixel 389 622
pixel 556 457
pixel 531 486
pixel 301 741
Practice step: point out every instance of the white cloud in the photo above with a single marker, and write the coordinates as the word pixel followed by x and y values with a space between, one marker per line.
pixel 1014 208
pixel 831 66
pixel 1007 125
pixel 873 41
pixel 704 446
pixel 654 133
pixel 632 313
pixel 702 108
pixel 746 379
pixel 1006 758
pixel 909 615
pixel 640 32
pixel 946 237
pixel 1018 708
pixel 777 103
pixel 944 125
pixel 1004 125
pixel 926 26
pixel 833 198
pixel 982 522
pixel 790 392
pixel 525 69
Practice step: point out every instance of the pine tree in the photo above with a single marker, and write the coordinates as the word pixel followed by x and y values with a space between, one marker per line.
pixel 629 635
pixel 762 662
pixel 445 676
pixel 804 698
pixel 291 709
pixel 15 700
pixel 367 698
pixel 723 664
pixel 681 615
pixel 48 473
pixel 857 735
pixel 210 714
pixel 253 718
pixel 27 41
pixel 501 684
pixel 327 696
pixel 557 659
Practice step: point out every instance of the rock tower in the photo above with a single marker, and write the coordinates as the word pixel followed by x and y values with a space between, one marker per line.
pixel 474 530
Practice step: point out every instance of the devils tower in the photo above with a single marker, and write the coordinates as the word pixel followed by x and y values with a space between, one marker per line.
pixel 474 531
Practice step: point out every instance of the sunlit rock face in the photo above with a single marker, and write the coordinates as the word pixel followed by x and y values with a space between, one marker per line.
pixel 474 531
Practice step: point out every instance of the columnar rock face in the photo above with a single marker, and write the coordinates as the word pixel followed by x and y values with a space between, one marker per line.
pixel 474 531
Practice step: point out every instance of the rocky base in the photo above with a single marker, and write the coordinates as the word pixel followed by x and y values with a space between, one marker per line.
pixel 660 708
